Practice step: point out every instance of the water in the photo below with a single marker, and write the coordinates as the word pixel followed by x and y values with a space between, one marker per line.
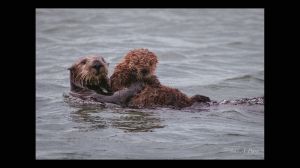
pixel 215 52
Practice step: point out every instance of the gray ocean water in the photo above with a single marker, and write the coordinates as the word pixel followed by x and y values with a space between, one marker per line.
pixel 214 52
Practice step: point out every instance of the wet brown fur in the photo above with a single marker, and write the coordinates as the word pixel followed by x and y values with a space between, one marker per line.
pixel 154 94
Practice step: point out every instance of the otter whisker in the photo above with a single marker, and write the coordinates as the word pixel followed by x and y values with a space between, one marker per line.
pixel 81 83
pixel 78 77
pixel 88 78
pixel 84 79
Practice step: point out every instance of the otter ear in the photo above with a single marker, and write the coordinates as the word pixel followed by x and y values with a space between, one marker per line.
pixel 83 61
pixel 71 68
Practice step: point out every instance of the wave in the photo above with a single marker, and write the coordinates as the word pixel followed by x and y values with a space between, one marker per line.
pixel 246 77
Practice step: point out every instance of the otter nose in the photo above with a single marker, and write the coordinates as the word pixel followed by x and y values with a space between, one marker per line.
pixel 144 71
pixel 97 65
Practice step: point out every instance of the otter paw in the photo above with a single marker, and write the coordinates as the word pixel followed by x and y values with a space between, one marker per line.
pixel 201 98
pixel 137 86
pixel 96 97
pixel 152 80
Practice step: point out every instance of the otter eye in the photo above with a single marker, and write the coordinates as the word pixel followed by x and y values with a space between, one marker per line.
pixel 83 61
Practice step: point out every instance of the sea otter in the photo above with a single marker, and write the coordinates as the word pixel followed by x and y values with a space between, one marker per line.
pixel 88 80
pixel 139 65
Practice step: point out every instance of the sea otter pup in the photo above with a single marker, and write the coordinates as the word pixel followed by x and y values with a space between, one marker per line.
pixel 140 65
pixel 88 79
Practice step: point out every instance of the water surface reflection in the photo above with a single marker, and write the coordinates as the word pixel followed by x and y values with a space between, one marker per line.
pixel 129 120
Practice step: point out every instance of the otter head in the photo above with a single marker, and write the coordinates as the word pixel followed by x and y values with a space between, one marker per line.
pixel 141 63
pixel 88 71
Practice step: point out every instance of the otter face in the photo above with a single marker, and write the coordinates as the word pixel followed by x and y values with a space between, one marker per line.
pixel 89 70
pixel 141 63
